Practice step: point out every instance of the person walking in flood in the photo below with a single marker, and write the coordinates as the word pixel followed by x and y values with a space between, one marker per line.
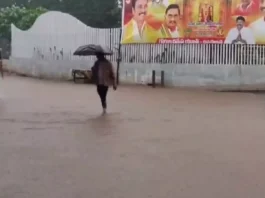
pixel 103 76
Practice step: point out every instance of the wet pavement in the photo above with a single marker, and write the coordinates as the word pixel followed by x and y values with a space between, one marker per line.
pixel 154 143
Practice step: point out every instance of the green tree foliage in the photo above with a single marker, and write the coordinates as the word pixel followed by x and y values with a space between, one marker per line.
pixel 95 13
pixel 23 13
pixel 22 17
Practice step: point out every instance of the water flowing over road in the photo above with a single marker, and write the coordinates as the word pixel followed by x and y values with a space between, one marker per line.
pixel 156 143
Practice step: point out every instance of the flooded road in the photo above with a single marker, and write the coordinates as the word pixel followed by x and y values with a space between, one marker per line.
pixel 154 143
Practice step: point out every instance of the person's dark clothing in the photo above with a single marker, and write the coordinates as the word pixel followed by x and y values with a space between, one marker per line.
pixel 102 92
pixel 103 73
pixel 103 76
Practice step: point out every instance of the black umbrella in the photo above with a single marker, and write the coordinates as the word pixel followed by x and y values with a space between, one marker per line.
pixel 91 50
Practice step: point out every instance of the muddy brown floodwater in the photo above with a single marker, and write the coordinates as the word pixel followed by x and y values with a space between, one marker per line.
pixel 158 143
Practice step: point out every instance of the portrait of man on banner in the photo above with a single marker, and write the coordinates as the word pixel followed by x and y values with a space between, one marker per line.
pixel 240 34
pixel 137 30
pixel 170 29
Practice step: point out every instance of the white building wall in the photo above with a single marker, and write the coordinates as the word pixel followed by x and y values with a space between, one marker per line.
pixel 56 35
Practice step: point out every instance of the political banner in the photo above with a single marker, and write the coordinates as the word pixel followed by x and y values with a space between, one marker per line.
pixel 193 21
